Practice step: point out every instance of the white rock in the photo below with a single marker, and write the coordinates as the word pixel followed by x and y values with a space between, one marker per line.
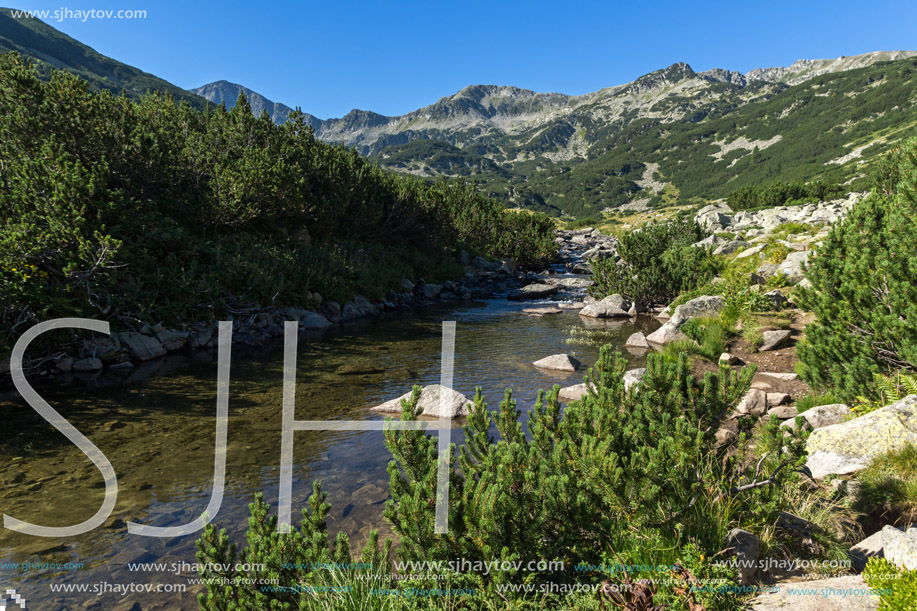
pixel 430 403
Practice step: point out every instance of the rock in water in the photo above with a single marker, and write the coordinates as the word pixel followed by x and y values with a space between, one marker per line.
pixel 558 362
pixel 533 291
pixel 613 306
pixel 637 340
pixel 457 404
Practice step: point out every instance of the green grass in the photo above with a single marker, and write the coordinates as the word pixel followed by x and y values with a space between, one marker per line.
pixel 898 586
pixel 814 399
pixel 889 486
pixel 711 335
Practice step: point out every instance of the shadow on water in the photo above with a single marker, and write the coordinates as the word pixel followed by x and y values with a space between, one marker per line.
pixel 158 433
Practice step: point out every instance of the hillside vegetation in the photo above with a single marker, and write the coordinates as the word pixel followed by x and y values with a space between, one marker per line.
pixel 152 210
pixel 51 49
pixel 704 138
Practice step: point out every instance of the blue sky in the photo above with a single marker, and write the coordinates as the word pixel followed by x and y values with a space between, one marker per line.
pixel 329 57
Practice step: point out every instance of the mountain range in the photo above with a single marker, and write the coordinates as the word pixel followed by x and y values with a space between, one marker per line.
pixel 673 135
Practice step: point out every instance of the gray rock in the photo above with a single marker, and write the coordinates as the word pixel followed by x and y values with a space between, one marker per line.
pixel 777 398
pixel 777 299
pixel 817 595
pixel 612 306
pixel 745 549
pixel 122 366
pixel 108 349
pixel 407 285
pixel 900 548
pixel 87 364
pixel 792 266
pixel 430 291
pixel 359 307
pixel 173 340
pixel 541 311
pixel 783 412
pixel 773 339
pixel 637 340
pixel 705 305
pixel 64 364
pixel 533 291
pixel 730 247
pixel 767 270
pixel 633 377
pixel 750 252
pixel 666 334
pixel 573 393
pixel 824 415
pixel 730 359
pixel 430 403
pixel 870 547
pixel 559 362
pixel 710 241
pixel 201 338
pixel 753 403
pixel 850 446
pixel 780 376
pixel 141 347
pixel 331 310
pixel 314 321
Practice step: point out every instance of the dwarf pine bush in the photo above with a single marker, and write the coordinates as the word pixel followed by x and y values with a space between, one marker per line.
pixel 864 287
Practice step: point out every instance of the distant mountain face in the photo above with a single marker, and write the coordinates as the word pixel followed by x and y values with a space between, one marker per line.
pixel 671 135
pixel 224 92
pixel 49 48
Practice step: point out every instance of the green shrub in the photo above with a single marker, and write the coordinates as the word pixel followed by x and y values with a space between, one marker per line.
pixel 659 264
pixel 781 194
pixel 897 588
pixel 152 210
pixel 589 221
pixel 864 288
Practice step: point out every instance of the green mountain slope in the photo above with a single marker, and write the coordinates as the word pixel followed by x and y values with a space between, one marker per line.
pixel 48 48
pixel 673 131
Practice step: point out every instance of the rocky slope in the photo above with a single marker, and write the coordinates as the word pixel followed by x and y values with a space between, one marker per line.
pixel 673 133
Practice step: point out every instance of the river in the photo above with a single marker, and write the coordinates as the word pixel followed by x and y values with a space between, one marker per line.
pixel 159 434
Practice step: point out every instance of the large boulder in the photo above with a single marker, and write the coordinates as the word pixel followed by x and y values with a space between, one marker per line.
pixel 753 403
pixel 613 306
pixel 558 362
pixel 773 339
pixel 358 308
pixel 714 217
pixel 141 347
pixel 313 321
pixel 743 551
pixel 900 548
pixel 850 446
pixel 533 291
pixel 705 305
pixel 823 415
pixel 430 402
pixel 792 266
pixel 637 340
pixel 173 340
pixel 730 247
pixel 666 334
